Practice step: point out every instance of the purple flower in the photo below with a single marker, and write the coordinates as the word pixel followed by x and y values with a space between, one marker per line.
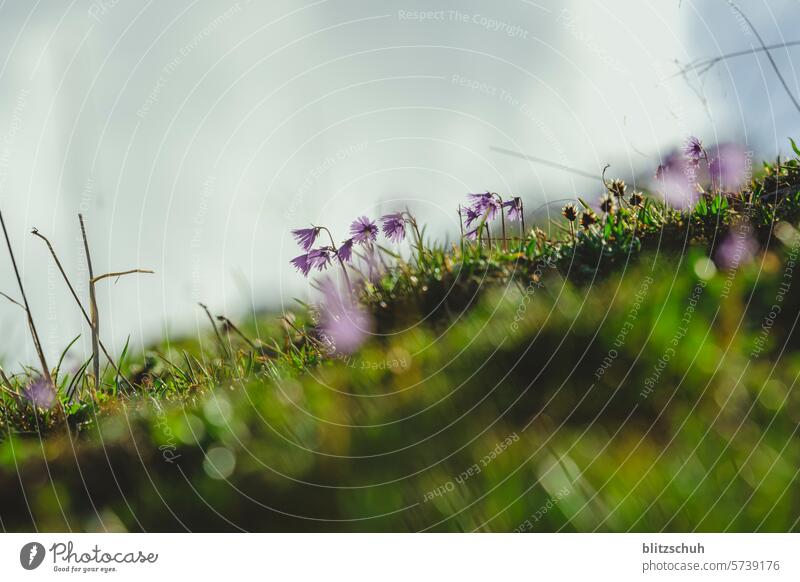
pixel 319 258
pixel 484 204
pixel 693 149
pixel 394 226
pixel 514 208
pixel 306 237
pixel 479 202
pixel 728 166
pixel 345 252
pixel 302 264
pixel 470 216
pixel 677 181
pixel 492 208
pixel 472 234
pixel 40 394
pixel 737 248
pixel 363 230
pixel 341 321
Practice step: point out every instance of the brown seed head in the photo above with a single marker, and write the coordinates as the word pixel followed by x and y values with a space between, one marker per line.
pixel 570 212
pixel 588 218
pixel 617 188
pixel 607 204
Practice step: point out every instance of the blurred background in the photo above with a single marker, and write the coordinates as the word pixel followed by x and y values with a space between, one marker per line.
pixel 193 134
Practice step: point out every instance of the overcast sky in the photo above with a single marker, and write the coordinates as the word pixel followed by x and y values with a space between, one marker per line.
pixel 194 134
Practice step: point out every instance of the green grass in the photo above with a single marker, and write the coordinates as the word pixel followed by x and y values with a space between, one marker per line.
pixel 534 395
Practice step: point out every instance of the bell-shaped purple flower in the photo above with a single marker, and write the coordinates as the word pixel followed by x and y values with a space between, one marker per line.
pixel 319 258
pixel 306 237
pixel 470 216
pixel 514 207
pixel 484 204
pixel 394 226
pixel 479 202
pixel 345 251
pixel 493 208
pixel 302 264
pixel 363 230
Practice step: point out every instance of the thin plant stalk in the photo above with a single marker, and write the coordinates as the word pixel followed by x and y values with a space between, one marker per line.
pixel 94 315
pixel 121 274
pixel 74 294
pixel 461 227
pixel 502 221
pixel 415 227
pixel 341 262
pixel 34 334
pixel 238 332
pixel 93 311
pixel 216 330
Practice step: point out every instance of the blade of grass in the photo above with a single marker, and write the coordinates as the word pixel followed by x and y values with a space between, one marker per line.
pixel 63 355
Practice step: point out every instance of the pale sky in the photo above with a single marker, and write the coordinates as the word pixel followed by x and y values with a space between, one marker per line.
pixel 194 135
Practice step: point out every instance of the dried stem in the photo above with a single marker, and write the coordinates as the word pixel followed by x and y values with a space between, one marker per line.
pixel 216 330
pixel 238 332
pixel 769 55
pixel 461 226
pixel 34 334
pixel 94 315
pixel 121 274
pixel 502 221
pixel 12 300
pixel 35 232
pixel 704 65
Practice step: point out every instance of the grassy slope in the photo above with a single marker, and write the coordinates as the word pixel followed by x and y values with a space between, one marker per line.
pixel 532 396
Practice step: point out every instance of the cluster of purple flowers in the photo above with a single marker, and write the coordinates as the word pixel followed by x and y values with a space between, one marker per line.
pixel 678 173
pixel 363 231
pixel 485 207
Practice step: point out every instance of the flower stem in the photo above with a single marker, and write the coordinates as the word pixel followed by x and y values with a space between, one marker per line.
pixel 502 221
pixel 341 262
pixel 420 248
